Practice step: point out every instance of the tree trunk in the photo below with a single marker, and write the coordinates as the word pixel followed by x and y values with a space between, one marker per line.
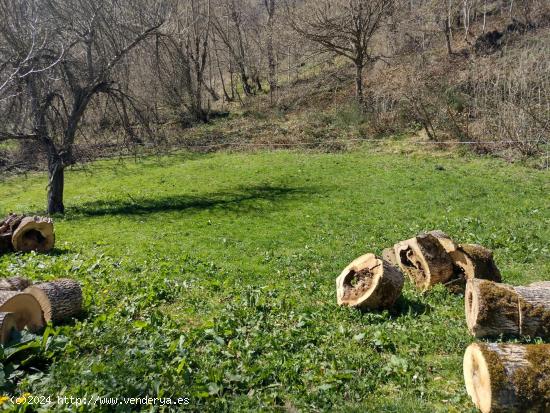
pixel 369 283
pixel 359 84
pixel 25 307
pixel 59 299
pixel 512 378
pixel 424 260
pixel 493 309
pixel 448 35
pixel 56 176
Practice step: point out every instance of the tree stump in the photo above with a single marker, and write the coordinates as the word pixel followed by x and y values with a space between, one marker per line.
pixel 424 260
pixel 34 234
pixel 26 309
pixel 369 283
pixel 59 299
pixel 493 309
pixel 8 323
pixel 508 377
pixel 14 283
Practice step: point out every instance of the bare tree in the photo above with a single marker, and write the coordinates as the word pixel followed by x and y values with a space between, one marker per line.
pixel 183 58
pixel 270 8
pixel 82 46
pixel 345 27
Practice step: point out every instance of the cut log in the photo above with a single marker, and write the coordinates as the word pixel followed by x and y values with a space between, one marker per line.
pixel 14 283
pixel 493 309
pixel 8 323
pixel 5 243
pixel 388 254
pixel 25 307
pixel 446 242
pixel 476 261
pixel 369 283
pixel 544 284
pixel 508 377
pixel 59 299
pixel 34 234
pixel 7 227
pixel 424 260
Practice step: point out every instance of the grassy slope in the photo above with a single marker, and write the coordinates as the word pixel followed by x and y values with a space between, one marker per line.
pixel 212 276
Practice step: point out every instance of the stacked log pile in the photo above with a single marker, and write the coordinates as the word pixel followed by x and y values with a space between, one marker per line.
pixel 24 233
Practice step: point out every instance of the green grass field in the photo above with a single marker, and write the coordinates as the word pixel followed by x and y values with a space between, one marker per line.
pixel 212 277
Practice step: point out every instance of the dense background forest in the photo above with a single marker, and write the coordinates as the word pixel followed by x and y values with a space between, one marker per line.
pixel 81 80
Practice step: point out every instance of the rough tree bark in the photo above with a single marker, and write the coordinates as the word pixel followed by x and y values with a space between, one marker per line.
pixel 493 309
pixel 59 299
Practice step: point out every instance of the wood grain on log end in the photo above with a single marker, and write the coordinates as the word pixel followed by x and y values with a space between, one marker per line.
pixel 508 377
pixel 34 234
pixel 8 323
pixel 369 283
pixel 26 309
pixel 59 299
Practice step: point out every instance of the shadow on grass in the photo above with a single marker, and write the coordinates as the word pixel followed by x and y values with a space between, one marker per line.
pixel 241 199
pixel 59 251
pixel 405 306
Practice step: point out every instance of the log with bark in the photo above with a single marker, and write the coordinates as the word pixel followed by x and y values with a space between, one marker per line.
pixel 7 227
pixel 434 258
pixel 26 309
pixel 34 234
pixel 476 261
pixel 493 309
pixel 59 299
pixel 508 377
pixel 424 260
pixel 14 283
pixel 369 283
pixel 8 323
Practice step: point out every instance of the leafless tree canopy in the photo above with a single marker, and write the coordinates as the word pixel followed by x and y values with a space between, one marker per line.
pixel 81 78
